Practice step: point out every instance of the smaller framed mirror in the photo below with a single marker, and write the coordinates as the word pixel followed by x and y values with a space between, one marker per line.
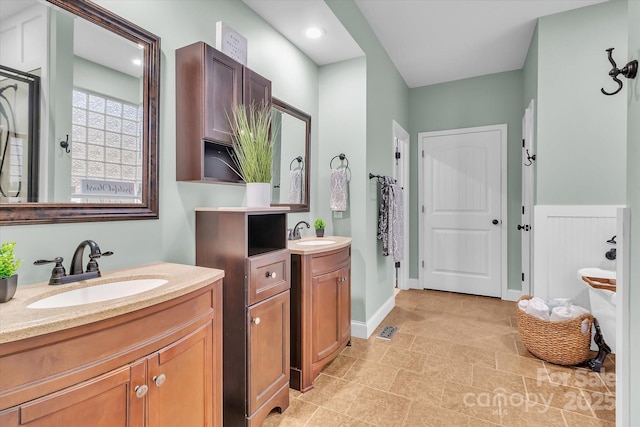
pixel 291 130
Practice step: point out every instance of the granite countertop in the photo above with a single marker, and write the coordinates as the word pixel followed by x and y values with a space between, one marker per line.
pixel 296 248
pixel 19 322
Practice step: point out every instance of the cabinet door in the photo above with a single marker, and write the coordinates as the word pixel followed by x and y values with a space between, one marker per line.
pixel 179 380
pixel 325 314
pixel 344 305
pixel 223 91
pixel 100 402
pixel 268 346
pixel 256 89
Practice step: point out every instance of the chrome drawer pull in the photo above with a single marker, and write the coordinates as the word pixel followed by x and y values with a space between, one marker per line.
pixel 141 390
pixel 256 321
pixel 272 275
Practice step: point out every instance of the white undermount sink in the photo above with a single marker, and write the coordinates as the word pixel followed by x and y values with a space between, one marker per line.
pixel 316 242
pixel 98 293
pixel 596 272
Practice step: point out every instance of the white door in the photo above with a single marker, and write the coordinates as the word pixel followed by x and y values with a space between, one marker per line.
pixel 401 175
pixel 462 246
pixel 526 221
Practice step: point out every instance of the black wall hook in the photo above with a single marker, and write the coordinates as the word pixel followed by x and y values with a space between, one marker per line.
pixel 530 158
pixel 65 144
pixel 629 71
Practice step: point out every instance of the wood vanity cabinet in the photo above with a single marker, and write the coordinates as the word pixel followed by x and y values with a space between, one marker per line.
pixel 250 246
pixel 172 375
pixel 320 312
pixel 209 84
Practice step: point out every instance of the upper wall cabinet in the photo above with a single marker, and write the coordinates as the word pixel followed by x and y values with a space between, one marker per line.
pixel 209 84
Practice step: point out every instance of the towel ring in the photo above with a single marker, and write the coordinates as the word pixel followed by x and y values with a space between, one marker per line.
pixel 341 156
pixel 299 160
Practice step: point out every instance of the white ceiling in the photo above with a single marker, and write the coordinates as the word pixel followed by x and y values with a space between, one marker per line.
pixel 429 41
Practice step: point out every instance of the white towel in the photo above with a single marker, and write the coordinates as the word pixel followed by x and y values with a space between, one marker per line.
pixel 566 312
pixel 338 190
pixel 295 186
pixel 538 308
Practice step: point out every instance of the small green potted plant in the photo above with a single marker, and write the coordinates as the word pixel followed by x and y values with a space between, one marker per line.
pixel 319 225
pixel 8 267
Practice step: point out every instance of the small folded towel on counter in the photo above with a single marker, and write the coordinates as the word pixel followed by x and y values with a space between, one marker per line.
pixel 338 190
pixel 295 186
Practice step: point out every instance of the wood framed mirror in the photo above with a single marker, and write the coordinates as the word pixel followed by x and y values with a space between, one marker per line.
pixel 128 187
pixel 291 130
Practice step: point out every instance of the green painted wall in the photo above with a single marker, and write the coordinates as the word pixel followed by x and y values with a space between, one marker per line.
pixel 387 98
pixel 342 128
pixel 478 101
pixel 581 142
pixel 171 238
pixel 633 201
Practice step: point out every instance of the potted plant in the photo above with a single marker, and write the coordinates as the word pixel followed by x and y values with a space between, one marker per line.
pixel 8 267
pixel 319 225
pixel 251 135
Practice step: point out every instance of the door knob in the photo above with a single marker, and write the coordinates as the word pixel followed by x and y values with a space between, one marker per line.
pixel 141 390
pixel 159 380
pixel 495 222
pixel 523 227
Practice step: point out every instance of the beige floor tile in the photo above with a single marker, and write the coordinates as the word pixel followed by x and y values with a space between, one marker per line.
pixel 532 368
pixel 432 346
pixel 296 415
pixel 418 387
pixel 575 420
pixel 576 377
pixel 339 366
pixel 522 350
pixel 494 380
pixel 519 413
pixel 371 374
pixel 379 408
pixel 603 405
pixel 399 340
pixel 448 370
pixel 332 393
pixel 326 418
pixel 365 349
pixel 559 396
pixel 404 359
pixel 471 401
pixel 469 355
pixel 425 415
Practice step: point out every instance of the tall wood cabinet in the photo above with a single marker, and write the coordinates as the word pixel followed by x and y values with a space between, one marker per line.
pixel 250 246
pixel 320 312
pixel 209 84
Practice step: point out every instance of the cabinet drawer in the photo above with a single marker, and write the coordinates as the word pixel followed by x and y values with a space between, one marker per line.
pixel 330 261
pixel 268 275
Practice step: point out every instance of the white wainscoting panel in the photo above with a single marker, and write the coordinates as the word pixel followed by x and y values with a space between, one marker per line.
pixel 568 238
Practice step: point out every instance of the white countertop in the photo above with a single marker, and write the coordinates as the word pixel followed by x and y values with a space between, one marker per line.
pixel 295 247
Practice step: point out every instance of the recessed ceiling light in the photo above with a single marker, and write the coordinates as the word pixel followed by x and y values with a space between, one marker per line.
pixel 315 32
pixel 137 62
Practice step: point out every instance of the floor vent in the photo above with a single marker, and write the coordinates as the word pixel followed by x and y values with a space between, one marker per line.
pixel 387 332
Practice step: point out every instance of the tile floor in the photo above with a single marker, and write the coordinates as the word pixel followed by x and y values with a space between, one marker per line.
pixel 456 360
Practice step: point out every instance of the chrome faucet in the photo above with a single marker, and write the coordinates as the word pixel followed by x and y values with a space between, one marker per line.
pixel 59 275
pixel 294 233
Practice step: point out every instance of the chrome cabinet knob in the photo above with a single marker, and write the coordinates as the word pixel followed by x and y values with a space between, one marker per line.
pixel 272 275
pixel 141 390
pixel 256 321
pixel 158 380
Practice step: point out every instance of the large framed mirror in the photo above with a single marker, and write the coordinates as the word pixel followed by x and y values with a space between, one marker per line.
pixel 94 155
pixel 291 131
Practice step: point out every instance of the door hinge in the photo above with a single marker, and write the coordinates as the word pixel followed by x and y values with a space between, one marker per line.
pixel 523 277
pixel 422 208
pixel 523 210
pixel 522 142
pixel 397 154
pixel 423 264
pixel 423 153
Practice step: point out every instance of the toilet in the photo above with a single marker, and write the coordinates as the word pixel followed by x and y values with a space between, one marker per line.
pixel 601 285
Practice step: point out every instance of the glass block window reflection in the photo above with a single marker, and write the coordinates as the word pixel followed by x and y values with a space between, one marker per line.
pixel 106 141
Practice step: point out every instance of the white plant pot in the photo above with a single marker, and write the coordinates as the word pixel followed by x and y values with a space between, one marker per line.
pixel 258 194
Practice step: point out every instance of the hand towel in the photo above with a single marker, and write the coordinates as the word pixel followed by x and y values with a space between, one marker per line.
pixel 538 308
pixel 338 190
pixel 566 312
pixel 391 219
pixel 295 186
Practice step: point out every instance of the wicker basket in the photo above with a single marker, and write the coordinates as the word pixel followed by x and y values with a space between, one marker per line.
pixel 561 343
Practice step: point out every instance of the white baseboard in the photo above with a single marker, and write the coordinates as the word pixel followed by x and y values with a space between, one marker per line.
pixel 364 330
pixel 512 295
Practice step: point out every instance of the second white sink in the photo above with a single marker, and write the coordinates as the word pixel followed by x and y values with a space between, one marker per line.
pixel 315 242
pixel 98 293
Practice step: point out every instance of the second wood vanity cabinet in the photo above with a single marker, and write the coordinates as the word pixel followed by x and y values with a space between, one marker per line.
pixel 209 84
pixel 320 312
pixel 250 246
pixel 76 378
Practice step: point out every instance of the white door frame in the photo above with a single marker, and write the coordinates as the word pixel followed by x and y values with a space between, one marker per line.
pixel 401 144
pixel 527 217
pixel 502 128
